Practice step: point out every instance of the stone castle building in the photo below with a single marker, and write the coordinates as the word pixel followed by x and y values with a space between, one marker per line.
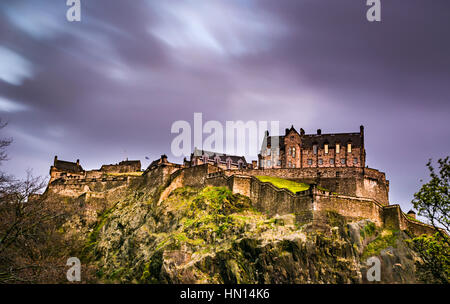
pixel 300 150
pixel 65 170
pixel 333 165
pixel 224 161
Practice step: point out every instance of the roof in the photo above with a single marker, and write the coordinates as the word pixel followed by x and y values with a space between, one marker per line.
pixel 130 162
pixel 223 157
pixel 309 140
pixel 67 166
pixel 272 139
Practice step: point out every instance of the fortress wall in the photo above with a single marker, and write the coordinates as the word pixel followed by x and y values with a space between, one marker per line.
pixel 241 185
pixel 271 200
pixel 195 176
pixel 373 188
pixel 94 174
pixel 392 218
pixel 74 188
pixel 396 219
pixel 349 207
pixel 361 182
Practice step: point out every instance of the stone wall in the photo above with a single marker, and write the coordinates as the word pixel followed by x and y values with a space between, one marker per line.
pixel 314 204
pixel 360 182
pixel 77 187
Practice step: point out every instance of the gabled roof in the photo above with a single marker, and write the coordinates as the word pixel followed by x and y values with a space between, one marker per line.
pixel 309 140
pixel 223 157
pixel 67 166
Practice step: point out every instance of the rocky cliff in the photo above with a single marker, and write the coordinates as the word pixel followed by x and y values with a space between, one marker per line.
pixel 210 235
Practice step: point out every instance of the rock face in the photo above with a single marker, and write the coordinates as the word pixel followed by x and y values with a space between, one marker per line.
pixel 211 235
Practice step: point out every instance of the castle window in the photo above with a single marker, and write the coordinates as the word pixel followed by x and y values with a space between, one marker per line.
pixel 331 161
pixel 309 162
pixel 320 161
pixel 343 161
pixel 279 163
pixel 349 148
pixel 293 165
pixel 355 161
pixel 293 152
pixel 338 148
pixel 289 165
pixel 268 151
pixel 268 163
pixel 326 148
pixel 315 149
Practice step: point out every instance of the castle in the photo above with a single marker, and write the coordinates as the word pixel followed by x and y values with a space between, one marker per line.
pixel 333 165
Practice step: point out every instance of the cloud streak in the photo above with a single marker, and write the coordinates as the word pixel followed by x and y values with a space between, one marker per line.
pixel 111 86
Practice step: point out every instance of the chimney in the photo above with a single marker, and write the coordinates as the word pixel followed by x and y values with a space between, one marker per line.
pixel 78 162
pixel 164 158
pixel 286 131
pixel 254 164
pixel 54 161
pixel 319 131
pixel 266 133
pixel 412 214
pixel 302 132
pixel 361 129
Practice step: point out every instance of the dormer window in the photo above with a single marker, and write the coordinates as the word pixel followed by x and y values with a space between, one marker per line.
pixel 326 148
pixel 315 149
pixel 338 148
pixel 349 148
pixel 240 164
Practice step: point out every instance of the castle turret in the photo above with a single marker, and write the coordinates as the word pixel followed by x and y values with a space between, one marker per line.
pixel 412 214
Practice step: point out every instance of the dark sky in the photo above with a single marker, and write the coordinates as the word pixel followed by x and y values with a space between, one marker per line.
pixel 111 86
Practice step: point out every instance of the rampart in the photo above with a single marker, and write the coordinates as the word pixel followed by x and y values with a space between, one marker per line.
pixel 313 204
pixel 366 199
pixel 359 182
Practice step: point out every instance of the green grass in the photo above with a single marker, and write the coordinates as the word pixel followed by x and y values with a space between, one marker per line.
pixel 387 238
pixel 137 173
pixel 284 183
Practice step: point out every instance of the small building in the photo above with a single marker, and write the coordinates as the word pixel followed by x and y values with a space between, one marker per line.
pixel 411 214
pixel 160 161
pixel 122 167
pixel 65 169
pixel 224 161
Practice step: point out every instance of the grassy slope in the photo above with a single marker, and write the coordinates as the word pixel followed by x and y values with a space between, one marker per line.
pixel 284 183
